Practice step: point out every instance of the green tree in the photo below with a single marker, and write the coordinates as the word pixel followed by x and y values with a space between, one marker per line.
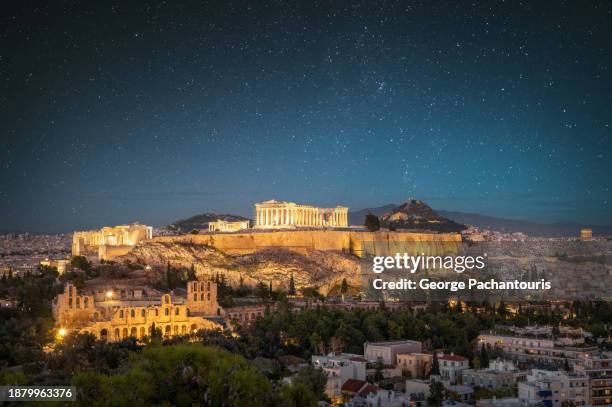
pixel 261 290
pixel 435 364
pixel 484 356
pixel 343 288
pixel 291 285
pixel 372 222
pixel 80 262
pixel 436 394
pixel 313 379
pixel 182 374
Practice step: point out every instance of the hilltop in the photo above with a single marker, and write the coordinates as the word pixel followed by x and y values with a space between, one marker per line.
pixel 416 214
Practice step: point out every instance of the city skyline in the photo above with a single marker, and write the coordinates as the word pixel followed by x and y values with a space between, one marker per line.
pixel 119 113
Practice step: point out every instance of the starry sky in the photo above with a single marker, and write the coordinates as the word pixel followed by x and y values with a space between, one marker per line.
pixel 121 112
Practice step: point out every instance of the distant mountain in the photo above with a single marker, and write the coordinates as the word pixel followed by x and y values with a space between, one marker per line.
pixel 416 214
pixel 527 227
pixel 201 221
pixel 494 223
pixel 358 217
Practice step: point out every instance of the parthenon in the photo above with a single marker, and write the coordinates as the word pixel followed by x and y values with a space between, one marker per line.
pixel 280 214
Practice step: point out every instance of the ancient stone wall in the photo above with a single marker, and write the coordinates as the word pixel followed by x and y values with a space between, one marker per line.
pixel 323 240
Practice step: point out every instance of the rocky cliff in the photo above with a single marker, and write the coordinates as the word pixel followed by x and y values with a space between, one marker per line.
pixel 312 268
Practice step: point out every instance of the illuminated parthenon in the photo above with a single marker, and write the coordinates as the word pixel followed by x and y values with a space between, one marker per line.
pixel 280 214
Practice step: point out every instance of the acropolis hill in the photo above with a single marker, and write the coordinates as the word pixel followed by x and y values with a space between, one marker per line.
pixel 313 244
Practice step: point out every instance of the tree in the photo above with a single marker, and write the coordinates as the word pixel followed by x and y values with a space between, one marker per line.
pixel 378 369
pixel 436 394
pixel 435 365
pixel 181 374
pixel 372 222
pixel 80 262
pixel 313 379
pixel 502 310
pixel 344 288
pixel 484 356
pixel 291 285
pixel 261 290
pixel 169 279
pixel 192 273
pixel 194 232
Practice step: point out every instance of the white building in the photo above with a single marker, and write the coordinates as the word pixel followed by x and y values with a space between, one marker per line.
pixel 387 351
pixel 499 374
pixel 535 350
pixel 554 387
pixel 451 366
pixel 339 368
pixel 221 225
pixel 598 368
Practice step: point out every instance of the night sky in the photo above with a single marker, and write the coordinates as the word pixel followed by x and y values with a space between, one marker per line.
pixel 114 113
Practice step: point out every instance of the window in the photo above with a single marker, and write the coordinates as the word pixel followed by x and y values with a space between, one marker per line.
pixel 167 311
pixel 177 311
pixel 133 315
pixel 142 313
pixel 121 314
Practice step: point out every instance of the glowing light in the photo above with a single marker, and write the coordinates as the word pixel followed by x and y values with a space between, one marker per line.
pixel 61 333
pixel 109 294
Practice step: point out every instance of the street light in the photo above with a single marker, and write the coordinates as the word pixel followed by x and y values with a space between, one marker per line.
pixel 109 294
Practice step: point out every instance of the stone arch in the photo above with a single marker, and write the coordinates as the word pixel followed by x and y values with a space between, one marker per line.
pixel 124 333
pixel 142 332
pixel 168 330
pixel 176 329
pixel 183 329
pixel 194 328
pixel 116 336
pixel 134 332
pixel 103 334
pixel 167 311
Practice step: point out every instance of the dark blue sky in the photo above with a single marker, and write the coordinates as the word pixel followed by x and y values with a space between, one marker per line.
pixel 116 113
